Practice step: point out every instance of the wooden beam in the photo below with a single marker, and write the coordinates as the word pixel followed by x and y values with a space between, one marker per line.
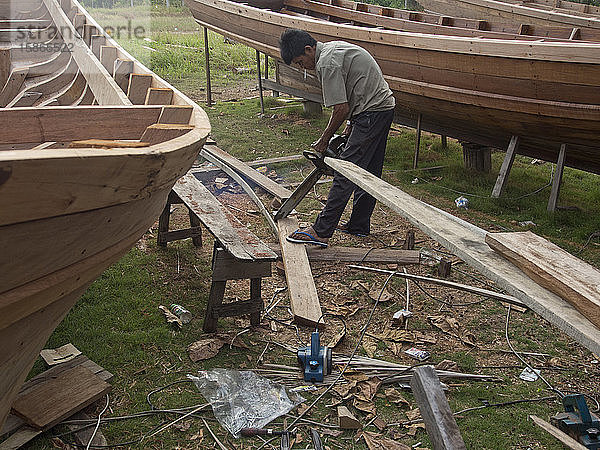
pixel 260 87
pixel 102 84
pixel 437 415
pixel 248 172
pixel 229 170
pixel 511 151
pixel 139 83
pixel 301 284
pixel 563 437
pixel 89 30
pixel 560 167
pixel 553 268
pixel 235 238
pixel 359 255
pixel 467 241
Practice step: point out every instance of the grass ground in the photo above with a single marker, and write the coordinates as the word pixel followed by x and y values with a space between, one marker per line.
pixel 117 322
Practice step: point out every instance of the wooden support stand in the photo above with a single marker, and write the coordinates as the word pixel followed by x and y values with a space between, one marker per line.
pixel 560 166
pixel 477 157
pixel 417 142
pixel 237 254
pixel 511 151
pixel 225 268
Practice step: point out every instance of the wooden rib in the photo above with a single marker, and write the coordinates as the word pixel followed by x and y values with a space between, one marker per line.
pixel 98 40
pixel 122 69
pixel 176 114
pixel 100 81
pixel 162 132
pixel 74 92
pixel 89 30
pixel 138 87
pixel 108 56
pixel 13 86
pixel 87 98
pixel 159 96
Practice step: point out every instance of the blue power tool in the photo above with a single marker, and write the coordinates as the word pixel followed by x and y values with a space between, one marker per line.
pixel 578 422
pixel 315 359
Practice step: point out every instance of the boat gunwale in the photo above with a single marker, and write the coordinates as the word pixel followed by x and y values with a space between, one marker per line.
pixel 544 51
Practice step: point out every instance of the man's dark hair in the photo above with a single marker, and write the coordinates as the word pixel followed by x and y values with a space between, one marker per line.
pixel 292 43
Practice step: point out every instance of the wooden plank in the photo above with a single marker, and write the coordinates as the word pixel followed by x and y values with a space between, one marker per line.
pixel 301 284
pixel 227 267
pixel 122 69
pixel 437 415
pixel 563 437
pixel 102 84
pixel 224 226
pixel 162 132
pixel 176 114
pixel 159 96
pixel 358 254
pixel 274 86
pixel 19 438
pixel 558 174
pixel 248 172
pixel 51 402
pixel 552 267
pixel 467 241
pixel 513 146
pixel 13 85
pixel 139 83
pixel 58 123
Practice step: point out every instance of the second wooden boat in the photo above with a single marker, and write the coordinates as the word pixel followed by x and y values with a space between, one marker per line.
pixel 474 89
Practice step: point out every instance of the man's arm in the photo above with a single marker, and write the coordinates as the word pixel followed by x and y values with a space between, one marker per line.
pixel 339 115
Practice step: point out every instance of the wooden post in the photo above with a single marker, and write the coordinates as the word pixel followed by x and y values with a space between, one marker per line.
pixel 506 166
pixel 409 241
pixel 417 142
pixel 256 298
pixel 444 141
pixel 560 166
pixel 437 415
pixel 163 225
pixel 260 91
pixel 477 157
pixel 207 65
pixel 266 74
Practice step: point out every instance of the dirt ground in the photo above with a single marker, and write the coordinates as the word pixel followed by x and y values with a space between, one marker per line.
pixel 453 325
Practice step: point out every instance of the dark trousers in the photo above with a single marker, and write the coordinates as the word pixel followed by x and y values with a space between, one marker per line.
pixel 365 148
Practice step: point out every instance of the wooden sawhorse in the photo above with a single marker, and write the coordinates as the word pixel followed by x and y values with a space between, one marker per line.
pixel 237 254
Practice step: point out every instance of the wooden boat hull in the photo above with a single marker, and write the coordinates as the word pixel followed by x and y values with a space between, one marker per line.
pixel 70 207
pixel 511 12
pixel 483 91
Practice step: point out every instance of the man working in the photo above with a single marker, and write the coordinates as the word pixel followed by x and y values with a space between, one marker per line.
pixel 353 84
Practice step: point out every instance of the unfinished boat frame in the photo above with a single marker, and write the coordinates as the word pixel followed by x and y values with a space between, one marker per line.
pixel 82 175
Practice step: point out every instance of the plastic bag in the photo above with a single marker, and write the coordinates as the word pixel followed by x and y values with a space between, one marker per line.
pixel 242 399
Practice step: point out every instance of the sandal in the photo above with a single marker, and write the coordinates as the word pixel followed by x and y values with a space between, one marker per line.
pixel 302 237
pixel 344 229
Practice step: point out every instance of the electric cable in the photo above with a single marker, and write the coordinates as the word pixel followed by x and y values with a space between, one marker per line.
pixel 362 335
pixel 552 388
pixel 155 391
pixel 476 302
pixel 98 423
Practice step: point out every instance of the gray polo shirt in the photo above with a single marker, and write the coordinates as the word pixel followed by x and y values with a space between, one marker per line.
pixel 348 73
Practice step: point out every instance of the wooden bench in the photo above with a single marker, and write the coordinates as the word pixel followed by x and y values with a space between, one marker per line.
pixel 238 253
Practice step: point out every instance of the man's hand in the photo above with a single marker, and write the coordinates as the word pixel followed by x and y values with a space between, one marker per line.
pixel 347 130
pixel 320 145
